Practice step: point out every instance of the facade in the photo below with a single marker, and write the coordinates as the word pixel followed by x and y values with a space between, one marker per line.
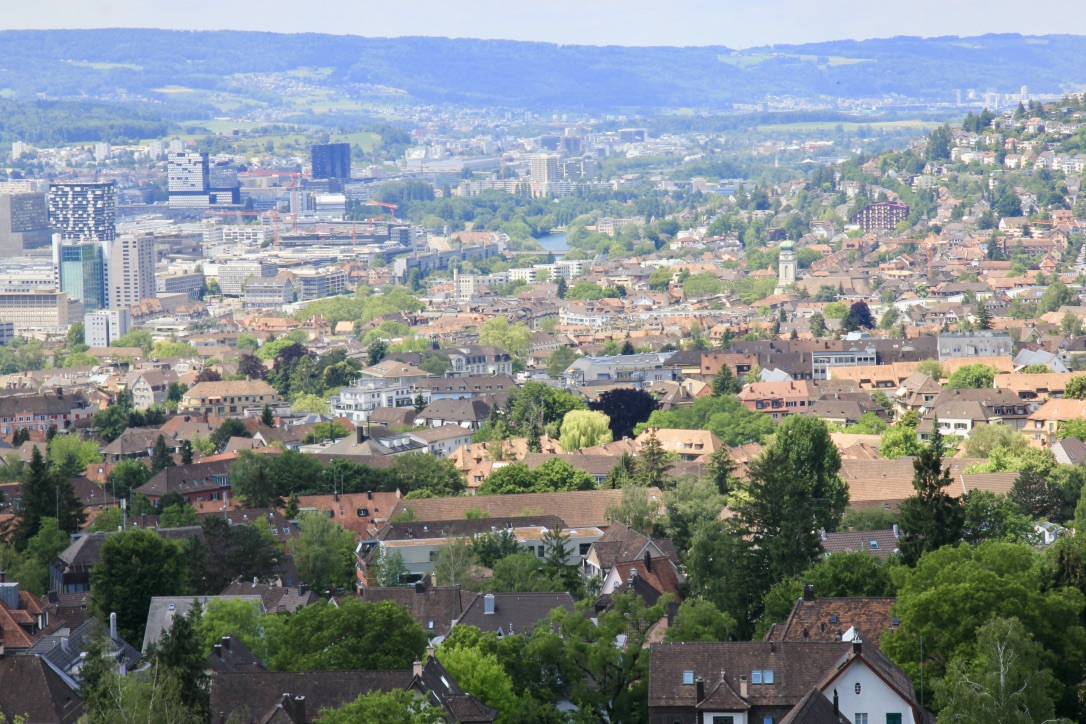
pixel 823 360
pixel 779 399
pixel 24 223
pixel 191 284
pixel 187 178
pixel 880 216
pixel 83 210
pixel 39 310
pixel 41 412
pixel 316 283
pixel 269 293
pixel 358 401
pixel 975 344
pixel 233 276
pixel 331 160
pixel 103 326
pixel 228 397
pixel 81 272
pixel 130 270
pixel 150 388
pixel 478 360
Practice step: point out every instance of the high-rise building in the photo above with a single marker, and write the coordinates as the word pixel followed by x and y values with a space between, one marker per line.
pixel 80 271
pixel 130 270
pixel 24 223
pixel 105 326
pixel 331 160
pixel 187 178
pixel 544 168
pixel 83 210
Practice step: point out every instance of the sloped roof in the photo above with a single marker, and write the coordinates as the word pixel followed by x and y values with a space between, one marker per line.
pixel 514 613
pixel 32 688
pixel 828 619
pixel 439 605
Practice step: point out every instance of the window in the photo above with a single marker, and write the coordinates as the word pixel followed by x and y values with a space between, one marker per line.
pixel 688 677
pixel 723 719
pixel 861 718
pixel 584 548
pixel 874 544
pixel 767 720
pixel 756 677
pixel 893 719
pixel 767 676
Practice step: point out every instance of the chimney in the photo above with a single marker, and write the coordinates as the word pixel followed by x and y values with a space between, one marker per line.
pixel 743 686
pixel 217 650
pixel 430 652
pixel 3 576
pixel 420 587
pixel 648 562
pixel 225 642
pixel 857 645
pixel 113 625
pixel 299 709
pixel 488 603
pixel 700 683
pixel 836 703
pixel 416 668
pixel 808 592
pixel 897 531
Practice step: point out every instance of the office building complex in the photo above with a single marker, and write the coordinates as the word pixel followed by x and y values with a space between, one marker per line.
pixel 130 270
pixel 81 271
pixel 193 182
pixel 331 160
pixel 24 223
pixel 233 276
pixel 83 210
pixel 39 310
pixel 105 326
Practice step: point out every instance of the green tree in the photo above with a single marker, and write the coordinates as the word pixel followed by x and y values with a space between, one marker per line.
pixel 985 438
pixel 482 676
pixel 267 417
pixel 254 482
pixel 693 503
pixel 932 369
pixel 134 566
pixel 560 360
pixel 700 620
pixel 652 464
pixel 376 707
pixel 1006 682
pixel 436 477
pixel 245 620
pixel 562 288
pixel 355 635
pixel 973 377
pixel 725 417
pixel 454 561
pixel 230 427
pixel 634 509
pixel 513 338
pixel 612 684
pixel 955 590
pixel 76 334
pixel 817 325
pixel 1075 388
pixel 988 516
pixel 43 495
pixel 390 568
pixel 324 551
pixel 72 451
pixel 584 428
pixel 161 457
pixel 376 352
pixel 127 475
pixel 931 518
pixel 726 383
pixel 178 655
pixel 984 317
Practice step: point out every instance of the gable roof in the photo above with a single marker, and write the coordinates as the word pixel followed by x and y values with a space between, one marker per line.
pixel 186 478
pixel 275 599
pixel 436 605
pixel 830 619
pixel 514 613
pixel 31 688
pixel 814 708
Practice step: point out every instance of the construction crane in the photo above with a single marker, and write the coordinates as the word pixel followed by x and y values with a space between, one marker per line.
pixel 391 207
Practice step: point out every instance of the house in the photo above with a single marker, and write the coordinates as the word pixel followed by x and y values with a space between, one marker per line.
pixel 34 689
pixel 974 344
pixel 149 387
pixel 598 466
pixel 915 392
pixel 1042 426
pixel 65 650
pixel 195 482
pixel 472 360
pixel 746 682
pixel 435 608
pixel 778 399
pixel 228 398
pixel 137 442
pixel 959 411
pixel 1069 451
pixel 441 441
pixel 623 543
pixel 41 411
pixel 467 413
pixel 253 695
pixel 507 614
pixel 24 618
pixel 578 508
pixel 647 577
pixel 361 513
pixel 836 619
pixel 458 388
pixel 164 609
pixel 689 445
pixel 274 598
pixel 878 543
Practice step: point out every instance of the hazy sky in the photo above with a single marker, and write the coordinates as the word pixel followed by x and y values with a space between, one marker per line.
pixel 735 23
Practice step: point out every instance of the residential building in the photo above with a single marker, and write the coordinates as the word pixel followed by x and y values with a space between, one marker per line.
pixel 196 483
pixel 468 414
pixel 1043 425
pixel 230 398
pixel 150 387
pixel 761 681
pixel 191 283
pixel 435 608
pixel 823 360
pixel 779 399
pixel 469 386
pixel 24 223
pixel 835 619
pixel 881 216
pixel 233 276
pixel 102 327
pixel 960 411
pixel 274 293
pixel 41 411
pixel 83 210
pixel 331 160
pixel 317 283
pixel 35 689
pixel 975 344
pixel 637 368
pixel 688 445
pixel 130 270
pixel 478 360
pixel 622 543
pixel 442 440
pixel 508 614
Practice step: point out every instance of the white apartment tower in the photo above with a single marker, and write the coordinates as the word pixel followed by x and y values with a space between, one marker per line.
pixel 130 270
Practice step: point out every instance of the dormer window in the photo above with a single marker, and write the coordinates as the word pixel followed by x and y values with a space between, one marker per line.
pixel 688 677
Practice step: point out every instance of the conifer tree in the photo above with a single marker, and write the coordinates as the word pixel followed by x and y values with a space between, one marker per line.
pixel 161 457
pixel 652 464
pixel 45 495
pixel 267 417
pixel 931 518
pixel 186 452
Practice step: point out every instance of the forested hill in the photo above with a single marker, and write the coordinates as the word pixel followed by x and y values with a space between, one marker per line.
pixel 74 63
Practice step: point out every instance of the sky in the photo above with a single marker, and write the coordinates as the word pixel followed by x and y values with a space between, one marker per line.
pixel 733 23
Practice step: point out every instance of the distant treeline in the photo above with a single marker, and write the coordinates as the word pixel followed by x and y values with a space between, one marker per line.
pixel 50 123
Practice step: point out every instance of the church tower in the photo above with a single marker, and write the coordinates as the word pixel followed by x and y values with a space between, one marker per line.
pixel 786 267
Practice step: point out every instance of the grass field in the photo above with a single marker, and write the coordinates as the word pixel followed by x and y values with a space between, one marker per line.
pixel 106 66
pixel 368 141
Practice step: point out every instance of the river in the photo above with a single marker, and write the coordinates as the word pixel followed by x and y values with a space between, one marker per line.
pixel 554 242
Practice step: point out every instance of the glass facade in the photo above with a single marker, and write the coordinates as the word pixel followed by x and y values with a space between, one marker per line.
pixel 82 274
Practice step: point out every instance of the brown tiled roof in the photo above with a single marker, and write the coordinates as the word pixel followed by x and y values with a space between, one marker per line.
pixel 32 689
pixel 345 507
pixel 797 667
pixel 827 619
pixel 424 529
pixel 814 709
pixel 252 696
pixel 276 599
pixel 579 508
pixel 622 543
pixel 436 605
pixel 514 613
pixel 185 478
pixel 232 655
pixel 230 388
pixel 860 540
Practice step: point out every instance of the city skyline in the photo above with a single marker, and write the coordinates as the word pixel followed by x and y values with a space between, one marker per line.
pixel 604 22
